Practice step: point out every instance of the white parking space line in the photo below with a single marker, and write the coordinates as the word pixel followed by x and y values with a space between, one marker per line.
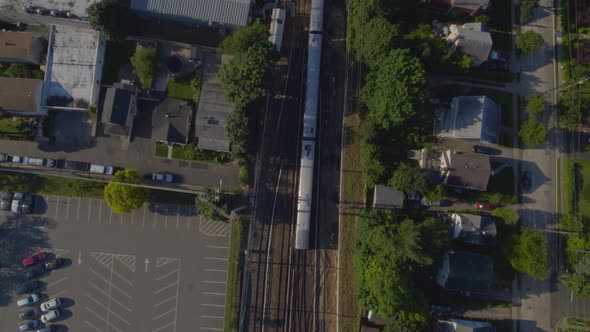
pixel 215 270
pixel 178 217
pixel 164 314
pixel 56 205
pixel 213 282
pixel 122 278
pixel 111 216
pixel 89 209
pixel 55 282
pixel 165 326
pixel 214 317
pixel 217 247
pixel 132 216
pixel 56 294
pixel 104 320
pixel 109 310
pixel 167 274
pixel 166 218
pixel 162 302
pixel 166 287
pixel 211 293
pixel 144 209
pixel 213 305
pixel 94 327
pixel 155 212
pixel 210 328
pixel 190 219
pixel 216 258
pixel 78 211
pixel 117 288
pixel 68 210
pixel 98 288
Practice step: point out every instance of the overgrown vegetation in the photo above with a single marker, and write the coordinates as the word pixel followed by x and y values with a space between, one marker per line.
pixel 191 152
pixel 18 70
pixel 16 128
pixel 145 65
pixel 525 9
pixel 110 17
pixel 187 87
pixel 49 185
pixel 161 150
pixel 210 209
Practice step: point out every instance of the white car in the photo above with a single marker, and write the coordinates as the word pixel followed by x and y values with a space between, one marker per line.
pixel 48 317
pixel 31 299
pixel 28 326
pixel 162 177
pixel 50 304
pixel 17 201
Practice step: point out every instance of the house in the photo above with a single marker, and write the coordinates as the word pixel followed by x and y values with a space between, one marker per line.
pixel 465 272
pixel 473 39
pixel 21 47
pixel 119 109
pixel 218 13
pixel 20 96
pixel 460 325
pixel 458 7
pixel 74 67
pixel 473 229
pixel 465 170
pixel 389 198
pixel 171 121
pixel 471 118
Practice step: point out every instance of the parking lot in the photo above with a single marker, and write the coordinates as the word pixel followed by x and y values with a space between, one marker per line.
pixel 159 268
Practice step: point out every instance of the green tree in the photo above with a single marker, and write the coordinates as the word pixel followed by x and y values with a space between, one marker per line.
pixel 242 39
pixel 207 208
pixel 145 65
pixel 579 281
pixel 405 325
pixel 464 64
pixel 529 42
pixel 92 114
pixel 528 254
pixel 435 194
pixel 395 90
pixel 378 40
pixel 509 216
pixel 110 17
pixel 372 167
pixel 571 105
pixel 535 105
pixel 242 77
pixel 19 70
pixel 123 198
pixel 359 13
pixel 409 180
pixel 495 198
pixel 485 19
pixel 526 9
pixel 572 222
pixel 533 133
pixel 237 132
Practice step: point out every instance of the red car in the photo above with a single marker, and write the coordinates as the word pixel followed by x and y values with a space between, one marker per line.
pixel 483 206
pixel 36 258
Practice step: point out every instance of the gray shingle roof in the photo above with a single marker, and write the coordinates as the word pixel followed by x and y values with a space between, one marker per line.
pixel 466 170
pixel 387 198
pixel 459 325
pixel 466 272
pixel 223 12
pixel 473 229
pixel 171 121
pixel 475 118
pixel 475 41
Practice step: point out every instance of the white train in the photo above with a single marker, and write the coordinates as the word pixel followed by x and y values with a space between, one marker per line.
pixel 310 116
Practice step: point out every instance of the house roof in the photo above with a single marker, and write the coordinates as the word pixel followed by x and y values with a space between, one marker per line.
pixel 472 39
pixel 473 229
pixel 468 271
pixel 171 121
pixel 224 12
pixel 475 118
pixel 460 325
pixel 471 4
pixel 20 95
pixel 115 111
pixel 387 198
pixel 211 119
pixel 15 45
pixel 466 170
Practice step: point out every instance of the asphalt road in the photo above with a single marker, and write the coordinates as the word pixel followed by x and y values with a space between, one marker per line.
pixel 160 268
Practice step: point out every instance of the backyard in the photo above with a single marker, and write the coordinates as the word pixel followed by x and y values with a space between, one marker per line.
pixel 16 128
pixel 118 55
pixel 186 88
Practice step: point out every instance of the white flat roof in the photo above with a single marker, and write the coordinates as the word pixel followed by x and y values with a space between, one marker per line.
pixel 72 58
pixel 76 7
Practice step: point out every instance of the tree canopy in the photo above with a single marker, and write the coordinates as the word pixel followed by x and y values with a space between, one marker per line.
pixel 388 251
pixel 207 207
pixel 110 17
pixel 571 105
pixel 533 133
pixel 145 65
pixel 373 169
pixel 528 254
pixel 579 280
pixel 124 198
pixel 535 105
pixel 242 39
pixel 529 42
pixel 395 89
pixel 409 180
pixel 507 215
pixel 237 132
pixel 435 194
pixel 379 36
pixel 360 12
pixel 526 9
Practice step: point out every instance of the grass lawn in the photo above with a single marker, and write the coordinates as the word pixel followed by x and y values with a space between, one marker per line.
pixel 190 152
pixel 181 88
pixel 161 150
pixel 581 200
pixel 49 185
pixel 233 281
pixel 117 55
pixel 15 128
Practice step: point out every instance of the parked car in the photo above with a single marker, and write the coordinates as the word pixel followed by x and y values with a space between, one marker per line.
pixel 3 158
pixel 34 272
pixel 28 326
pixel 29 287
pixel 54 264
pixel 20 160
pixel 48 328
pixel 27 205
pixel 50 163
pixel 29 300
pixel 51 315
pixel 17 201
pixel 31 313
pixel 51 304
pixel 100 169
pixel 483 206
pixel 527 180
pixel 5 200
pixel 485 150
pixel 77 166
pixel 36 162
pixel 32 260
pixel 162 177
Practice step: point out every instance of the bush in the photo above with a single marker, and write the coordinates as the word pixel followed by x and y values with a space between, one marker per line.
pixel 145 65
pixel 509 216
pixel 529 42
pixel 110 17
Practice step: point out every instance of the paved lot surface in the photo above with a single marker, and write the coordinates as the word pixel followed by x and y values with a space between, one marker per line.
pixel 160 268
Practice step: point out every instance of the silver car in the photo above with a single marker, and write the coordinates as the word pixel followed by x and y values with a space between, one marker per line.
pixel 31 299
pixel 51 315
pixel 28 326
pixel 50 304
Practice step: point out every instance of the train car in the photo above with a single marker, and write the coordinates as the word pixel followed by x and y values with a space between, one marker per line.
pixel 316 18
pixel 304 197
pixel 312 86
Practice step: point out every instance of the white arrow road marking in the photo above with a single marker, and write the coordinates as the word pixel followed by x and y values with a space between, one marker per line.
pixel 146 264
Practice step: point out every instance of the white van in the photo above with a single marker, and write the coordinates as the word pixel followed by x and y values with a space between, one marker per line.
pixel 100 169
pixel 36 162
